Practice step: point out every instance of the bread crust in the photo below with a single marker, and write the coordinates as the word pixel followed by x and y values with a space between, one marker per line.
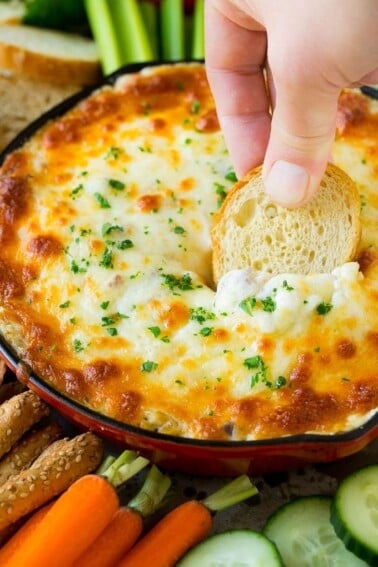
pixel 237 245
pixel 47 67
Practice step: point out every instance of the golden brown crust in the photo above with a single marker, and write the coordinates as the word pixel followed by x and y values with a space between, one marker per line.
pixel 52 473
pixel 113 305
pixel 40 64
pixel 50 69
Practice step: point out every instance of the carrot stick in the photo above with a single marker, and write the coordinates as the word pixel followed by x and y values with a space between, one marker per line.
pixel 184 527
pixel 126 525
pixel 75 520
pixel 25 531
pixel 168 540
pixel 114 541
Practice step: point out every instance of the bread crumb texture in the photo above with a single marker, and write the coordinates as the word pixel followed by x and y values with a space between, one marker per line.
pixel 252 231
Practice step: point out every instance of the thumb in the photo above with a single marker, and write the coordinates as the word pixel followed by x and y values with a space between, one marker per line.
pixel 301 138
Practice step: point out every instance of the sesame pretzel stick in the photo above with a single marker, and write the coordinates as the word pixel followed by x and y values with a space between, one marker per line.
pixel 22 455
pixel 17 415
pixel 53 472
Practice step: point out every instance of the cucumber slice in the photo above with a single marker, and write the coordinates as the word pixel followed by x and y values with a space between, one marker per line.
pixel 305 537
pixel 234 548
pixel 354 513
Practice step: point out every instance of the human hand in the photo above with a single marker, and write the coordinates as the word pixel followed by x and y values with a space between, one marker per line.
pixel 310 50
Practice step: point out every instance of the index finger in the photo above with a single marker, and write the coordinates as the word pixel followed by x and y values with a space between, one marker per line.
pixel 235 58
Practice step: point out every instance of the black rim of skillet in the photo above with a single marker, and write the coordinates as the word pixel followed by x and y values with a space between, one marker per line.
pixel 14 361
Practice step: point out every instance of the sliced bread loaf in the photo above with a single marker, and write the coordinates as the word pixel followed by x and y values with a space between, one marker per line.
pixel 250 230
pixel 48 55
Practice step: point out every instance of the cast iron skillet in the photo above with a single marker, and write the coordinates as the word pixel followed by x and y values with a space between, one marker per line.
pixel 179 453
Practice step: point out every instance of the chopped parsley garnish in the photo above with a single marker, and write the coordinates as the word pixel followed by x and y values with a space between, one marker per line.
pixel 107 321
pixel 155 331
pixel 104 304
pixel 78 345
pixel 114 152
pixel 104 203
pixel 79 269
pixel 112 331
pixel 124 244
pixel 122 315
pixel 184 283
pixel 65 304
pixel 108 227
pixel 195 107
pixel 107 258
pixel 286 286
pixel 75 192
pixel 206 331
pixel 248 304
pixel 324 308
pixel 256 362
pixel 201 314
pixel 116 184
pixel 146 149
pixel 231 176
pixel 268 304
pixel 220 190
pixel 281 381
pixel 148 366
pixel 179 230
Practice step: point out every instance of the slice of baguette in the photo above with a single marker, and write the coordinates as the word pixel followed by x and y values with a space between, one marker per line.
pixel 23 99
pixel 250 230
pixel 49 55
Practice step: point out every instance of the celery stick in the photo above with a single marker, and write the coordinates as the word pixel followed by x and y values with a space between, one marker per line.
pixel 130 31
pixel 150 17
pixel 188 29
pixel 152 493
pixel 198 45
pixel 103 32
pixel 172 30
pixel 234 492
pixel 118 470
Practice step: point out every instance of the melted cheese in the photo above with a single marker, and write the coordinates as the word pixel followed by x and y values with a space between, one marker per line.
pixel 105 274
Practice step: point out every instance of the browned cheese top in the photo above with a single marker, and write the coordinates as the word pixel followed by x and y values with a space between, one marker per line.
pixel 106 289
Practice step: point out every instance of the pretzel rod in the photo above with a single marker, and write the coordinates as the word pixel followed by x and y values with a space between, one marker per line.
pixel 55 470
pixel 22 455
pixel 18 415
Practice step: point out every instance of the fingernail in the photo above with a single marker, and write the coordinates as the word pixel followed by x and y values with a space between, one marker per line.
pixel 287 183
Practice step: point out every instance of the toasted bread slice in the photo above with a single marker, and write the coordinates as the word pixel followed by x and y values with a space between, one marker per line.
pixel 49 55
pixel 250 230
